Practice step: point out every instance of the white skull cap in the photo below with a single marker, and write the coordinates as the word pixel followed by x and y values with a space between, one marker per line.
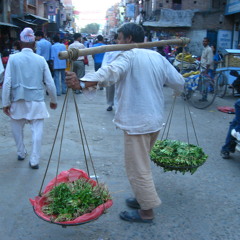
pixel 27 35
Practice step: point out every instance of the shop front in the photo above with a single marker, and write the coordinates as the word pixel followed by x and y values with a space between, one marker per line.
pixel 171 24
pixel 233 10
pixel 8 34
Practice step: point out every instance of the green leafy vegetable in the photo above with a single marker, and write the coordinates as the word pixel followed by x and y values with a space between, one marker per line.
pixel 70 200
pixel 179 156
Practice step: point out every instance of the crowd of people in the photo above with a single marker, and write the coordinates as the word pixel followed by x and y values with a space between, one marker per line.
pixel 138 88
pixel 31 69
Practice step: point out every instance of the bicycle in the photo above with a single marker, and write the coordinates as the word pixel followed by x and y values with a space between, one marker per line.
pixel 222 84
pixel 200 90
pixel 222 77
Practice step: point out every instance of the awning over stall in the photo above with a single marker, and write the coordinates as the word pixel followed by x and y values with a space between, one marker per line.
pixel 8 25
pixel 36 19
pixel 22 23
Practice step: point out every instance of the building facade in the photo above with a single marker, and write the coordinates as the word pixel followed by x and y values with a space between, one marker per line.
pixel 50 16
pixel 166 19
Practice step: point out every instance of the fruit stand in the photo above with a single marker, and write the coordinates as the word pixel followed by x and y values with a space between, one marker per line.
pixel 185 62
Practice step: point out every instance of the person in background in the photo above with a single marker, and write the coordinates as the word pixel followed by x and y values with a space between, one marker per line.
pixel 78 65
pixel 217 58
pixel 139 112
pixel 236 82
pixel 107 59
pixel 178 50
pixel 90 43
pixel 206 66
pixel 16 47
pixel 98 58
pixel 85 42
pixel 43 48
pixel 59 66
pixel 160 51
pixel 23 95
pixel 66 42
pixel 167 49
pixel 206 58
pixel 1 72
pixel 232 141
pixel 5 57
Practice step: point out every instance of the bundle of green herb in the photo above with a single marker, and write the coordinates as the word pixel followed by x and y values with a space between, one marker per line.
pixel 177 156
pixel 69 200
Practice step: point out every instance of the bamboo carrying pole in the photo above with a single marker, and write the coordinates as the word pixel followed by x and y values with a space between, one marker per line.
pixel 120 47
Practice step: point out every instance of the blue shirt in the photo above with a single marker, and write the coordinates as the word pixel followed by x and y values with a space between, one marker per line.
pixel 55 49
pixel 98 58
pixel 44 48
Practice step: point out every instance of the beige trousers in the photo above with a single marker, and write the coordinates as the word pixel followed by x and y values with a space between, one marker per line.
pixel 137 163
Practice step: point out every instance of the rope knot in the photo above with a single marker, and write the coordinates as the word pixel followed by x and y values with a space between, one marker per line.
pixel 73 54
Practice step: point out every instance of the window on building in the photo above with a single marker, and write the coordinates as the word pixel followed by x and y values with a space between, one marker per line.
pixel 216 3
pixel 31 2
pixel 177 4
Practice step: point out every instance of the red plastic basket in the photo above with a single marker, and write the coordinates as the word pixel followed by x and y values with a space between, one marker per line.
pixel 69 176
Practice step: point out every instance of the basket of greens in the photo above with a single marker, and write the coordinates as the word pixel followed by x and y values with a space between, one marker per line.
pixel 173 155
pixel 72 198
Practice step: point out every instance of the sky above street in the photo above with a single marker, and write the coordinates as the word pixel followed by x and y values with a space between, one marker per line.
pixel 92 11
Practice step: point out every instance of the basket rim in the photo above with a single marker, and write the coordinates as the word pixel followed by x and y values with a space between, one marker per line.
pixel 176 167
pixel 65 224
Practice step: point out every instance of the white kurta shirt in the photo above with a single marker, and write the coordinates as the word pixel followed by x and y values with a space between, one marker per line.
pixel 207 58
pixel 139 75
pixel 22 109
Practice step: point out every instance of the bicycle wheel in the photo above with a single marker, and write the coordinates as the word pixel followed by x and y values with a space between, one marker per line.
pixel 221 82
pixel 205 93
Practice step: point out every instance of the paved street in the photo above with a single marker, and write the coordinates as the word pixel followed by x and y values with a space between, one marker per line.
pixel 202 206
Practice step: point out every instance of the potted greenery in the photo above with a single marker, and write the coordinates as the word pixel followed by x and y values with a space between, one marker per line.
pixel 174 155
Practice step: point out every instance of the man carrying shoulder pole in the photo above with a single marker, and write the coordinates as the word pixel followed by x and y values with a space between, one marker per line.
pixel 139 76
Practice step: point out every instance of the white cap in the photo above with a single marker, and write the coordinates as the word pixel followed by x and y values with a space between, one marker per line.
pixel 27 35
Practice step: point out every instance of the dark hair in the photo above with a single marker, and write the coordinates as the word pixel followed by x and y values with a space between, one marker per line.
pixel 214 48
pixel 115 36
pixel 39 34
pixel 207 39
pixel 134 30
pixel 17 45
pixel 100 38
pixel 77 35
pixel 56 38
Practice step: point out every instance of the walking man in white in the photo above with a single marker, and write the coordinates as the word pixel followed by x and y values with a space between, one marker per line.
pixel 23 95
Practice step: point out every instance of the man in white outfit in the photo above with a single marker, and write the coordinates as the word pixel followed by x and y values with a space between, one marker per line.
pixel 23 95
pixel 139 76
